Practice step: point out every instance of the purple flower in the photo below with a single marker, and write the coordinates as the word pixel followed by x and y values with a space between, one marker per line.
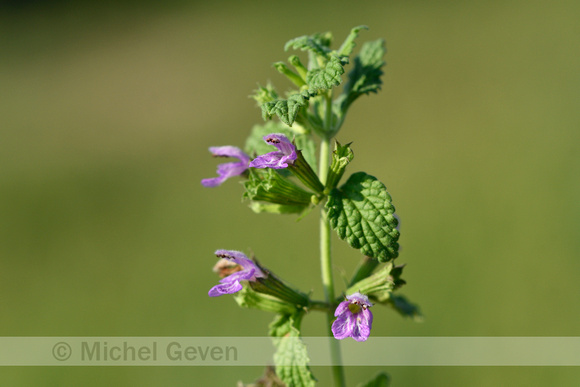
pixel 234 266
pixel 286 153
pixel 354 318
pixel 227 170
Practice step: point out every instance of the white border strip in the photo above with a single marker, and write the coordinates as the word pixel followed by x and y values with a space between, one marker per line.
pixel 258 351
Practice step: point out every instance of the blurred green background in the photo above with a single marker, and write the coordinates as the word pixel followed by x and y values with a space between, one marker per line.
pixel 106 114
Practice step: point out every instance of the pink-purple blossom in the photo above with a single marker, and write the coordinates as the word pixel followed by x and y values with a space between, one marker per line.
pixel 286 153
pixel 354 318
pixel 235 266
pixel 227 170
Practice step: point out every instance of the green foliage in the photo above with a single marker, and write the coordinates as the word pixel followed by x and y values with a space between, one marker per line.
pixel 318 44
pixel 349 44
pixel 361 212
pixel 381 380
pixel 291 75
pixel 285 109
pixel 365 77
pixel 327 77
pixel 341 157
pixel 325 70
pixel 291 357
pixel 265 94
pixel 295 61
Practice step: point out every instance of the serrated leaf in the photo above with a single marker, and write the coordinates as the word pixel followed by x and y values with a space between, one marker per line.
pixel 381 380
pixel 255 144
pixel 285 109
pixel 291 357
pixel 362 214
pixel 365 77
pixel 327 77
pixel 318 44
pixel 281 325
pixel 264 94
pixel 349 44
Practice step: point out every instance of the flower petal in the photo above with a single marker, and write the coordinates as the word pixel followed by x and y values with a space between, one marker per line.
pixel 270 160
pixel 361 299
pixel 343 326
pixel 286 153
pixel 342 307
pixel 230 151
pixel 231 254
pixel 227 170
pixel 213 182
pixel 362 329
pixel 368 318
pixel 241 259
pixel 281 142
pixel 244 275
pixel 340 329
pixel 225 288
pixel 355 322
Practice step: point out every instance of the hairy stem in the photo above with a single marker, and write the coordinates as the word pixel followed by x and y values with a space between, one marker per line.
pixel 325 258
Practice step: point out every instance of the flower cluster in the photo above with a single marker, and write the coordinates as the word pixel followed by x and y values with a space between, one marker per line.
pixel 354 319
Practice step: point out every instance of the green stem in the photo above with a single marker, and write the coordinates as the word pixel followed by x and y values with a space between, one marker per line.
pixel 319 305
pixel 325 258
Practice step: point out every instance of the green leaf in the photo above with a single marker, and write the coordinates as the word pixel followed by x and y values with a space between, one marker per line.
pixel 255 144
pixel 295 61
pixel 327 77
pixel 349 44
pixel 281 325
pixel 318 44
pixel 381 380
pixel 285 109
pixel 362 214
pixel 265 94
pixel 291 357
pixel 291 75
pixel 365 77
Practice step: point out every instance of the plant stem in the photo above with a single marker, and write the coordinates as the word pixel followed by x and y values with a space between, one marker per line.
pixel 325 258
pixel 319 305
